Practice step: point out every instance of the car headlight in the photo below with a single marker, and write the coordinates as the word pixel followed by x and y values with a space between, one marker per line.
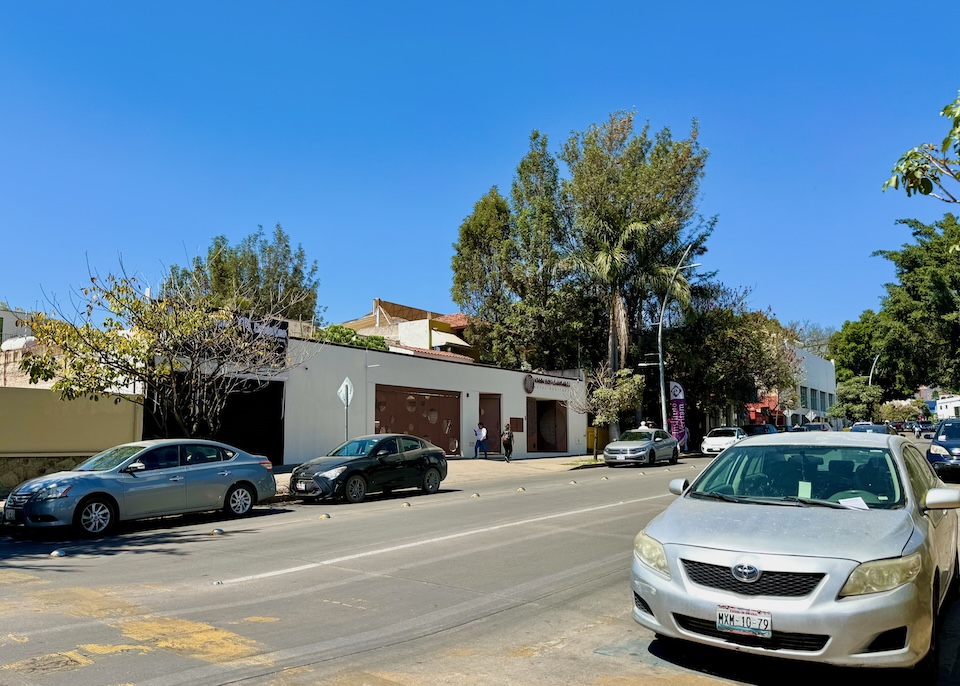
pixel 882 575
pixel 53 492
pixel 332 474
pixel 651 553
pixel 939 450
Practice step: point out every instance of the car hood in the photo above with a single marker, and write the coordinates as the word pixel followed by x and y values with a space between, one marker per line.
pixel 784 529
pixel 319 465
pixel 40 482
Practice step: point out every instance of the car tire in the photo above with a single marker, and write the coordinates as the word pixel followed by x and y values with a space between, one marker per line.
pixel 675 457
pixel 95 516
pixel 355 489
pixel 651 459
pixel 239 501
pixel 431 481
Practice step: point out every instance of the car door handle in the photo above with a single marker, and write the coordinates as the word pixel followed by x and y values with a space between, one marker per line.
pixel 223 473
pixel 176 478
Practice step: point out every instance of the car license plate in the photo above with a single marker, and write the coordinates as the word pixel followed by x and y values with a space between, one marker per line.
pixel 621 457
pixel 739 620
pixel 301 486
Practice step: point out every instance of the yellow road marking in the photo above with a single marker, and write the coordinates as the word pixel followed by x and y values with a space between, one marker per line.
pixel 195 639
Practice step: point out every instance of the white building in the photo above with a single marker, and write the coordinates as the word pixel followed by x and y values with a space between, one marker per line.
pixel 948 407
pixel 441 400
pixel 817 391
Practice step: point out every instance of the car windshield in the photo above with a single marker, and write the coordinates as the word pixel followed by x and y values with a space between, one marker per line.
pixel 722 433
pixel 949 432
pixel 356 447
pixel 636 436
pixel 870 428
pixel 109 459
pixel 855 477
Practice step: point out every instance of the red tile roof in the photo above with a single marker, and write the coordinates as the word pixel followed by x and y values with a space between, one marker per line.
pixel 424 352
pixel 456 321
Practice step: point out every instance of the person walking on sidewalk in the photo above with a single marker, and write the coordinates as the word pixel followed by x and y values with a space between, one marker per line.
pixel 481 444
pixel 506 438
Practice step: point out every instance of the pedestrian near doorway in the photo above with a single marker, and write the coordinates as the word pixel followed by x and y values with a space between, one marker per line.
pixel 481 443
pixel 506 439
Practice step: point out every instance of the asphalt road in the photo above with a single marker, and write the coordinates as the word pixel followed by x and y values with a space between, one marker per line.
pixel 482 583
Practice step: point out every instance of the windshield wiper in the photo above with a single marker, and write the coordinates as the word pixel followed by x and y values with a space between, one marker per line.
pixel 810 501
pixel 716 496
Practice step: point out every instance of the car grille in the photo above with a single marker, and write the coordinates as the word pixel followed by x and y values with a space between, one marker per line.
pixel 780 640
pixel 618 451
pixel 779 584
pixel 18 500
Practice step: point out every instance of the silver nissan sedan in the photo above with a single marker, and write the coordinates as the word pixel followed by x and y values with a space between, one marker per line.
pixel 827 547
pixel 143 479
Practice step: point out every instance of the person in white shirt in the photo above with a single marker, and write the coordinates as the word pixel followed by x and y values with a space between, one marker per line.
pixel 481 443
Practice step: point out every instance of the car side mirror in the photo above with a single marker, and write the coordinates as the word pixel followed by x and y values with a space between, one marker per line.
pixel 135 467
pixel 942 499
pixel 678 486
pixel 383 452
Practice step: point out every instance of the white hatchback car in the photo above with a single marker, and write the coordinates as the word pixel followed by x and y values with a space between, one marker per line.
pixel 720 439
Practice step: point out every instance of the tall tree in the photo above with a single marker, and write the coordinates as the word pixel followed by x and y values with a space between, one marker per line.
pixel 857 401
pixel 632 199
pixel 855 346
pixel 922 309
pixel 266 277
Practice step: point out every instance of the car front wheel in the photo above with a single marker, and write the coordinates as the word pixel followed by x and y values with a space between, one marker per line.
pixel 239 501
pixel 651 459
pixel 355 489
pixel 675 456
pixel 94 517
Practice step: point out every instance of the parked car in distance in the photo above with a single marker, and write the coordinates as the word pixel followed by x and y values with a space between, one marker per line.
pixel 144 479
pixel 927 427
pixel 720 439
pixel 758 429
pixel 830 547
pixel 873 429
pixel 817 426
pixel 642 446
pixel 944 450
pixel 379 462
pixel 897 426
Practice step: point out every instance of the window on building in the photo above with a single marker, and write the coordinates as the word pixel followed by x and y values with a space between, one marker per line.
pixel 803 397
pixel 823 401
pixel 832 401
pixel 813 399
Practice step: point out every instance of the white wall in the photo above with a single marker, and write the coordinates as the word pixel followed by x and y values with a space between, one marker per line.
pixel 948 407
pixel 314 415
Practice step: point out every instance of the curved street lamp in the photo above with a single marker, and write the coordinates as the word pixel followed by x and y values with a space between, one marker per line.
pixel 663 310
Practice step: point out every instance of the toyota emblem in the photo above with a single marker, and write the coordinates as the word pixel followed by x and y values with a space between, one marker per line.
pixel 745 573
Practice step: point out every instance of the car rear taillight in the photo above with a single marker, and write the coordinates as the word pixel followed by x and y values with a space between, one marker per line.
pixel 267 464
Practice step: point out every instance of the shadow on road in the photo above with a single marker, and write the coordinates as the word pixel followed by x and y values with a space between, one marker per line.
pixel 163 535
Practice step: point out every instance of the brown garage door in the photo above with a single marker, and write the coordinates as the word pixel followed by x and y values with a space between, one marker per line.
pixel 430 414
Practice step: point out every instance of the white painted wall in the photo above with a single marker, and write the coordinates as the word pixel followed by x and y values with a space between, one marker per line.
pixel 314 415
pixel 948 407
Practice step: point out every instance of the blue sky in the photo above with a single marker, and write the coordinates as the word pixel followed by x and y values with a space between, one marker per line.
pixel 139 131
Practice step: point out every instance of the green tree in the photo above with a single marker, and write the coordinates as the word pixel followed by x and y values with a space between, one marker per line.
pixel 187 355
pixel 856 401
pixel 606 397
pixel 631 199
pixel 924 169
pixel 854 347
pixel 266 277
pixel 902 410
pixel 335 333
pixel 921 311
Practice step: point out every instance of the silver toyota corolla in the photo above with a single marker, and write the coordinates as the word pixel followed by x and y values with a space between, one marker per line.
pixel 829 547
pixel 143 479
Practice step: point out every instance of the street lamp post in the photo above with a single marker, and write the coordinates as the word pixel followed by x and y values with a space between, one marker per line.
pixel 663 310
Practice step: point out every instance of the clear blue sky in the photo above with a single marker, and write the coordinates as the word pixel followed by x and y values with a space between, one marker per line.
pixel 139 131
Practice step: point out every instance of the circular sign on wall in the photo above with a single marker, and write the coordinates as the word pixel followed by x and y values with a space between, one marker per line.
pixel 528 383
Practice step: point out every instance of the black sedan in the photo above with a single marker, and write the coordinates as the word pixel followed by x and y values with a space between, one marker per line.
pixel 944 450
pixel 381 462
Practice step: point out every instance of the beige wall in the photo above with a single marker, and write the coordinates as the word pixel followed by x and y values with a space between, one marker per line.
pixel 35 422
